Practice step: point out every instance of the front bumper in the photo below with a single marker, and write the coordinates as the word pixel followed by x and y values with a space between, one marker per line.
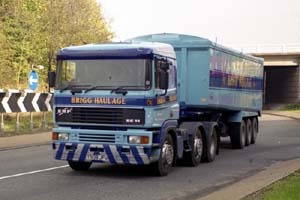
pixel 104 153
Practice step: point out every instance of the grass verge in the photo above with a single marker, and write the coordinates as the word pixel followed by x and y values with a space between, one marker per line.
pixel 286 189
pixel 24 123
pixel 291 107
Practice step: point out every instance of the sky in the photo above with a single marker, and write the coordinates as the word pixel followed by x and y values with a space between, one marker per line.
pixel 235 22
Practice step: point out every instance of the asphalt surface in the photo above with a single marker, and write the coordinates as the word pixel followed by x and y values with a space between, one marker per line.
pixel 32 174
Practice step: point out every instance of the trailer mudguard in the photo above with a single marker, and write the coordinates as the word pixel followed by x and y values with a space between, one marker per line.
pixel 238 116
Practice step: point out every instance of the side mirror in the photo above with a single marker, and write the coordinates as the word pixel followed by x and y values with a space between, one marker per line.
pixel 163 80
pixel 51 78
pixel 164 66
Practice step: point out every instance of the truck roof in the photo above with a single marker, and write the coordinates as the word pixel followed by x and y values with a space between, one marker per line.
pixel 117 50
pixel 190 41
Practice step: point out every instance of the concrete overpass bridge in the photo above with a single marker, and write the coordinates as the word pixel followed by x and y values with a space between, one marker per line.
pixel 282 72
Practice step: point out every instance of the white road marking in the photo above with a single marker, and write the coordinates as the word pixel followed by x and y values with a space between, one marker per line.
pixel 33 172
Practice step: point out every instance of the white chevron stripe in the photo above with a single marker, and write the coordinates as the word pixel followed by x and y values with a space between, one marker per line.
pixel 115 153
pixel 21 104
pixel 143 155
pixel 130 156
pixel 65 152
pixel 47 102
pixel 34 102
pixel 78 152
pixel 5 104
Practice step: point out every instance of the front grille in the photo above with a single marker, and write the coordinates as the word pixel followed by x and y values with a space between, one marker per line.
pixel 103 138
pixel 100 115
pixel 96 115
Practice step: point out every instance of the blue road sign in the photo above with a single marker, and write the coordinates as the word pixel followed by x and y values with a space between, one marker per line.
pixel 33 80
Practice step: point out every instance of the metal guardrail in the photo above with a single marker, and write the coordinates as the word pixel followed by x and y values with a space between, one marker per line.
pixel 267 48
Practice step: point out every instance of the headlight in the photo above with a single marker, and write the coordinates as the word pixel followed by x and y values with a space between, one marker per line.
pixel 133 139
pixel 63 136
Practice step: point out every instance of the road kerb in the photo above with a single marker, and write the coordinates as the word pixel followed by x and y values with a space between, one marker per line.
pixel 282 115
pixel 256 182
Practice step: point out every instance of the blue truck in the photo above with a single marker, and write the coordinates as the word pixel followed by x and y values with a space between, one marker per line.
pixel 153 100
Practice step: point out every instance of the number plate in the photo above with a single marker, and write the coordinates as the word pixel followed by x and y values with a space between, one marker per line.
pixel 96 157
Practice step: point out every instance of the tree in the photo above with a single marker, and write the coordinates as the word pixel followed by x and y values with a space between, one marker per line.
pixel 68 23
pixel 32 31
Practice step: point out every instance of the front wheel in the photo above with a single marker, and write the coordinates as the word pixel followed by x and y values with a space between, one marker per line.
pixel 79 166
pixel 164 164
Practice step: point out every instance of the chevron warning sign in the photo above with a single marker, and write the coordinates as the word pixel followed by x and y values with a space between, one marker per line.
pixel 2 95
pixel 25 102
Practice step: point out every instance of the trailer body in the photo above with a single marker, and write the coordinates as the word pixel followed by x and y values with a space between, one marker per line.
pixel 213 77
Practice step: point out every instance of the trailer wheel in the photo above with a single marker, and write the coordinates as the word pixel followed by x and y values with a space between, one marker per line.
pixel 248 132
pixel 238 135
pixel 164 164
pixel 212 147
pixel 254 130
pixel 79 166
pixel 193 157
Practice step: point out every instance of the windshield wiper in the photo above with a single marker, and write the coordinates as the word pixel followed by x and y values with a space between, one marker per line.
pixel 73 87
pixel 95 88
pixel 121 90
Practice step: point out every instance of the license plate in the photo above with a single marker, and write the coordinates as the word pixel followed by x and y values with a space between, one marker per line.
pixel 96 157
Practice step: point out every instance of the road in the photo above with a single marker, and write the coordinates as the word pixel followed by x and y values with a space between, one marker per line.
pixel 32 174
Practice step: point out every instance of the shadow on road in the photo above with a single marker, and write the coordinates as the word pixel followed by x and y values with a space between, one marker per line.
pixel 117 171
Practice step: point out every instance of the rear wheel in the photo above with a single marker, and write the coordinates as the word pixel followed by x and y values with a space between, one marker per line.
pixel 238 135
pixel 193 157
pixel 254 130
pixel 164 164
pixel 79 166
pixel 248 132
pixel 210 150
pixel 213 146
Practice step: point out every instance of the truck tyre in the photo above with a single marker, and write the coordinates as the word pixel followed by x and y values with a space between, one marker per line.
pixel 193 157
pixel 164 165
pixel 254 130
pixel 238 135
pixel 248 132
pixel 79 166
pixel 210 150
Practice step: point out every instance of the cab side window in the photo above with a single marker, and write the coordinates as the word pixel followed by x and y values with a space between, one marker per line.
pixel 157 63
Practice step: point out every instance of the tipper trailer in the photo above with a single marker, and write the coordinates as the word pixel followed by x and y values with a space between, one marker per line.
pixel 153 100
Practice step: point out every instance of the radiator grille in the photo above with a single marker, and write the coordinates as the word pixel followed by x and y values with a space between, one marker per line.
pixel 101 115
pixel 103 138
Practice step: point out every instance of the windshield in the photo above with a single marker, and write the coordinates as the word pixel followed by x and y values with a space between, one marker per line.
pixel 104 74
